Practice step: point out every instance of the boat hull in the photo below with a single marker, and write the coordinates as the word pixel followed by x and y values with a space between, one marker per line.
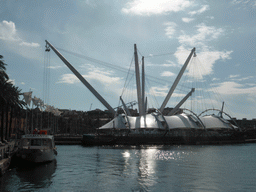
pixel 36 155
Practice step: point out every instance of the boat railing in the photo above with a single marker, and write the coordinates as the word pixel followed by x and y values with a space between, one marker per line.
pixel 36 135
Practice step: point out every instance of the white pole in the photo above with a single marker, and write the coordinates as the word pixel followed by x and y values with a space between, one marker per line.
pixel 176 81
pixel 143 88
pixel 137 71
pixel 81 78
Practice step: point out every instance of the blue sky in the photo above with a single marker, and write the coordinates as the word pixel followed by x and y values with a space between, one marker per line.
pixel 223 33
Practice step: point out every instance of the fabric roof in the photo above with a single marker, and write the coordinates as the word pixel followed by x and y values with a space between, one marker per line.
pixel 118 123
pixel 148 121
pixel 216 122
pixel 182 121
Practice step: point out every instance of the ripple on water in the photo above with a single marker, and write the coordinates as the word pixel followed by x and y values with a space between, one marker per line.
pixel 154 168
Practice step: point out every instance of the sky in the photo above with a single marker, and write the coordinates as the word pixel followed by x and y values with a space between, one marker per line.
pixel 98 37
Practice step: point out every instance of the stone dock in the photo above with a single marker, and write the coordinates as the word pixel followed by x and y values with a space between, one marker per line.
pixel 68 140
pixel 7 150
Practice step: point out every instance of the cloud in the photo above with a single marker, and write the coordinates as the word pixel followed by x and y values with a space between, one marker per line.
pixel 233 76
pixel 105 77
pixel 9 33
pixel 206 62
pixel 203 9
pixel 55 67
pixel 162 92
pixel 68 79
pixel 215 79
pixel 187 20
pixel 206 55
pixel 210 17
pixel 101 80
pixel 158 91
pixel 204 34
pixel 168 64
pixel 233 88
pixel 26 44
pixel 98 75
pixel 245 78
pixel 170 29
pixel 244 2
pixel 152 7
pixel 14 42
pixel 167 74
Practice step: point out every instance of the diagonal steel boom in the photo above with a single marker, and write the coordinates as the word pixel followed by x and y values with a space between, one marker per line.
pixel 82 79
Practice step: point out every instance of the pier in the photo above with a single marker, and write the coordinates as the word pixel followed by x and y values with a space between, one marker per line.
pixel 66 139
pixel 7 151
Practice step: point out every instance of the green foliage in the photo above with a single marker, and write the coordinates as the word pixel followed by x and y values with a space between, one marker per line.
pixel 9 94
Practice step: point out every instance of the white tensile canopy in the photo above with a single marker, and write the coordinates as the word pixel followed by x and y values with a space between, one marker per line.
pixel 182 121
pixel 154 121
pixel 216 122
pixel 117 123
pixel 148 121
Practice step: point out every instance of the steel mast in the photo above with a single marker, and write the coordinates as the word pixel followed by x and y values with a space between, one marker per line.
pixel 82 79
pixel 137 71
pixel 175 109
pixel 143 88
pixel 174 85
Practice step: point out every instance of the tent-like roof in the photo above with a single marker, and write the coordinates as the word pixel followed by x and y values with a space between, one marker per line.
pixel 182 121
pixel 118 123
pixel 153 121
pixel 216 122
pixel 148 121
pixel 156 121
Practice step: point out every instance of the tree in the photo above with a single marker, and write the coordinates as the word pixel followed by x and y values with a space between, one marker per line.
pixel 9 99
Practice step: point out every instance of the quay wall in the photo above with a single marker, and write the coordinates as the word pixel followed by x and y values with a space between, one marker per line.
pixel 68 140
pixel 7 150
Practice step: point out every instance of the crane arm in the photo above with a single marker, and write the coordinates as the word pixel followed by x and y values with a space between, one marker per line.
pixel 82 79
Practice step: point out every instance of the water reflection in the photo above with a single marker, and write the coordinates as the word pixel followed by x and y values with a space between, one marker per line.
pixel 126 154
pixel 156 168
pixel 37 176
pixel 146 168
pixel 154 165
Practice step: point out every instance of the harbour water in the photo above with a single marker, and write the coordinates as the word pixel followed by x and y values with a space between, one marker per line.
pixel 154 168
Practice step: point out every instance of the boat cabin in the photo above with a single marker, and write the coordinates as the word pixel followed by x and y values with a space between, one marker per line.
pixel 37 141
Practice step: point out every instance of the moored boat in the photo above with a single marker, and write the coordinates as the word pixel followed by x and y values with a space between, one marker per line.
pixel 37 148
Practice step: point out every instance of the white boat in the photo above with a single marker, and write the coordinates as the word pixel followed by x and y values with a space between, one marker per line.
pixel 37 148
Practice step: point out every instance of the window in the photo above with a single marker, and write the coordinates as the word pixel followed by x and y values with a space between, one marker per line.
pixel 35 142
pixel 25 142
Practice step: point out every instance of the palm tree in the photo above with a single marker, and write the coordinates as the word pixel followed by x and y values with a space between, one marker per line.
pixel 3 80
pixel 2 68
pixel 13 103
pixel 9 99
